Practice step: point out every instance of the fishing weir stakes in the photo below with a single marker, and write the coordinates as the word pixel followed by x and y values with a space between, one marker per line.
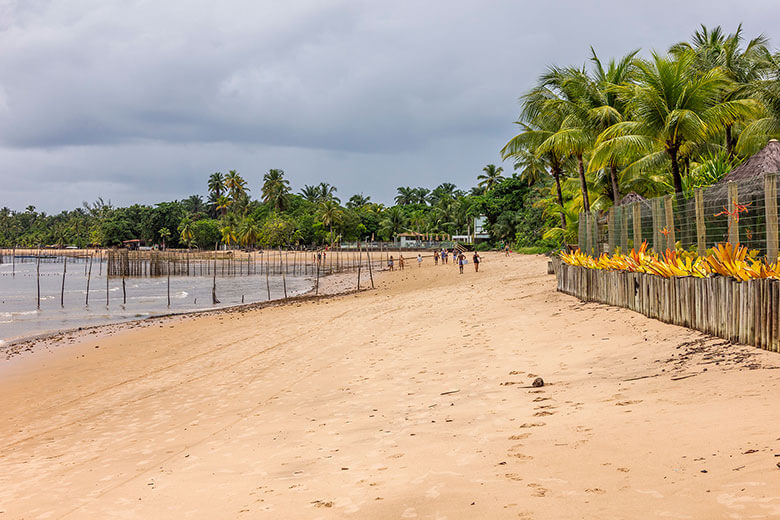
pixel 743 312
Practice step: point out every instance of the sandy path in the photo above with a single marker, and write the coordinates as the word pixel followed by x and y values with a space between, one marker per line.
pixel 334 409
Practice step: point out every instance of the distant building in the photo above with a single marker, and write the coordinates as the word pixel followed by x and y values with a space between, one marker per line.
pixel 477 232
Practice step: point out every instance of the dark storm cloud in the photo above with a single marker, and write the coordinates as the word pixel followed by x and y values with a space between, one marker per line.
pixel 139 101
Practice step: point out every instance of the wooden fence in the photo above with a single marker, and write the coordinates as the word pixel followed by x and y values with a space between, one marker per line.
pixel 743 312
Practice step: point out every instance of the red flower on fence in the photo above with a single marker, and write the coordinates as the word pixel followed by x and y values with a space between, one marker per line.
pixel 738 208
pixel 665 232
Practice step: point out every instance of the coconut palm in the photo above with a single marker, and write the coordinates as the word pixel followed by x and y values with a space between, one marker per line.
pixel 327 192
pixel 164 234
pixel 330 214
pixel 216 184
pixel 406 195
pixel 275 189
pixel 711 49
pixel 228 233
pixel 358 201
pixel 393 223
pixel 491 177
pixel 310 193
pixel 235 185
pixel 222 204
pixel 421 195
pixel 248 231
pixel 672 109
pixel 185 230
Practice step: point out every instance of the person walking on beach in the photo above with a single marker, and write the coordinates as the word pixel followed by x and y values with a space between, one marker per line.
pixel 476 260
pixel 436 258
pixel 401 262
pixel 506 250
pixel 443 256
pixel 461 262
pixel 390 263
pixel 419 260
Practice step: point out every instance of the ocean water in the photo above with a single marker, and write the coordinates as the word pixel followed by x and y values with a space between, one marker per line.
pixel 20 317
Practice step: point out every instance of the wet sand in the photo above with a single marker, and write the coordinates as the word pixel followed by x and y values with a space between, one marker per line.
pixel 410 401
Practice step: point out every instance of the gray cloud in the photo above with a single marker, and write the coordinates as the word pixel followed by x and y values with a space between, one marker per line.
pixel 140 101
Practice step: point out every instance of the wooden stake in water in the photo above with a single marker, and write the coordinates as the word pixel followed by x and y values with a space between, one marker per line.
pixel 214 300
pixel 89 276
pixel 124 290
pixel 64 270
pixel 267 283
pixel 106 288
pixel 38 276
pixel 284 277
pixel 169 281
pixel 317 281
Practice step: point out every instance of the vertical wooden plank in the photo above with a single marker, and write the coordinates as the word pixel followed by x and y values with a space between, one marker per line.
pixel 595 234
pixel 770 198
pixel 657 225
pixel 588 232
pixel 701 230
pixel 669 210
pixel 637 217
pixel 733 224
pixel 623 229
pixel 612 232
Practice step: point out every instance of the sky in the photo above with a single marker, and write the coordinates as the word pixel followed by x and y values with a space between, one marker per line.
pixel 140 101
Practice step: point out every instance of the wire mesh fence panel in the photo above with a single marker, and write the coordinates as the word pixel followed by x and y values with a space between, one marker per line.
pixel 692 221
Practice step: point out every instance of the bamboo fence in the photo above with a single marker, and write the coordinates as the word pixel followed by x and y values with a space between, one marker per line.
pixel 742 312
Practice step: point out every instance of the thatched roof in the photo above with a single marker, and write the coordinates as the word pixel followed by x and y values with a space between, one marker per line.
pixel 766 160
pixel 631 197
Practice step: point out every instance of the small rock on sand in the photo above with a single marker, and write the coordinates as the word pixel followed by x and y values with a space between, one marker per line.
pixel 538 382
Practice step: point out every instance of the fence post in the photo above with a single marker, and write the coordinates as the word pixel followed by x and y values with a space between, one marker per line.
pixel 595 234
pixel 637 210
pixel 733 223
pixel 770 203
pixel 701 230
pixel 669 209
pixel 612 237
pixel 656 224
pixel 623 228
pixel 588 234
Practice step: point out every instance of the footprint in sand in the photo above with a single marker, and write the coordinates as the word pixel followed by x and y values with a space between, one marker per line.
pixel 595 491
pixel 540 399
pixel 628 403
pixel 513 476
pixel 532 425
pixel 543 413
pixel 519 436
pixel 538 490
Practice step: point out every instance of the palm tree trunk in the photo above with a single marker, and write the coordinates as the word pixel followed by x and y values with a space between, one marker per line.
pixel 729 143
pixel 615 190
pixel 557 176
pixel 678 188
pixel 583 184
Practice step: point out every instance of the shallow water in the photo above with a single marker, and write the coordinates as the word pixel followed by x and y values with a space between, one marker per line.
pixel 19 316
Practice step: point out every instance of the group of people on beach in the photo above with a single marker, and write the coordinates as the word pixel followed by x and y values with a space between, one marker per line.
pixel 458 258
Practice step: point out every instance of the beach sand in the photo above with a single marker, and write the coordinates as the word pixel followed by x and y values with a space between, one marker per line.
pixel 410 401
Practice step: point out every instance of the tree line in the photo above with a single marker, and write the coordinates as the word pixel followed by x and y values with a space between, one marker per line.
pixel 230 215
pixel 667 123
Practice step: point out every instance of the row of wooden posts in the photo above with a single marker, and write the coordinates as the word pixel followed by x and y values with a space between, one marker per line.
pixel 119 262
pixel 745 312
pixel 664 235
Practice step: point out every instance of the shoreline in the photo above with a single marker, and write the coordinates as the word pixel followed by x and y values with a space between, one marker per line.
pixel 17 346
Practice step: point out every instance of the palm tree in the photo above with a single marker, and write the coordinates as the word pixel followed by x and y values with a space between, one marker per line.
pixel 673 109
pixel 444 191
pixel 327 192
pixel 275 189
pixel 216 184
pixel 330 214
pixel 406 195
pixel 194 205
pixel 421 195
pixel 228 233
pixel 358 201
pixel 310 193
pixel 185 231
pixel 235 184
pixel 248 231
pixel 394 222
pixel 745 67
pixel 164 233
pixel 491 177
pixel 222 204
